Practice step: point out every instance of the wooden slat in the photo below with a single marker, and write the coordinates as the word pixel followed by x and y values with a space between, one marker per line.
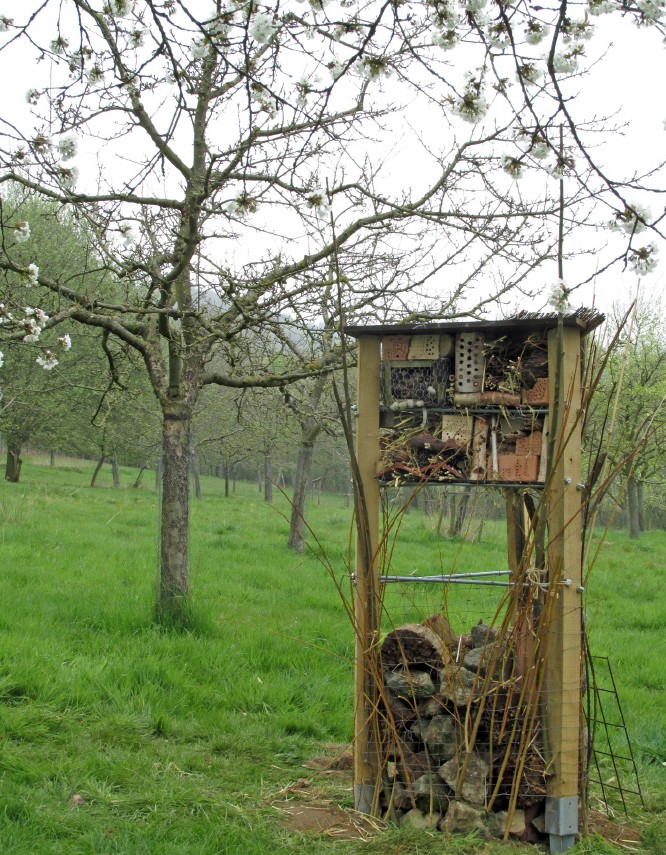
pixel 366 592
pixel 563 675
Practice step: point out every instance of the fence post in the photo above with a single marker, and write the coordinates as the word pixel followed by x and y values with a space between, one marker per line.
pixel 563 675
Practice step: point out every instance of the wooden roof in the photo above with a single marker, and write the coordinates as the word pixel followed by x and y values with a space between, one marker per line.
pixel 584 319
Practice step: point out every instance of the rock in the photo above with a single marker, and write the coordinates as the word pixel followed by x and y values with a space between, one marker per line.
pixel 476 659
pixel 539 822
pixel 459 686
pixel 517 826
pixel 417 819
pixel 462 817
pixel 429 792
pixel 475 783
pixel 432 707
pixel 399 796
pixel 411 765
pixel 442 628
pixel 482 634
pixel 441 737
pixel 410 684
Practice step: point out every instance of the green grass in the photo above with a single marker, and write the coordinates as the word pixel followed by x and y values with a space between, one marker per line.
pixel 178 743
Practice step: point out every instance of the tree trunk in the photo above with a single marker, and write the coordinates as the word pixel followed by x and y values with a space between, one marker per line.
pixel 137 483
pixel 640 498
pixel 260 486
pixel 632 502
pixel 226 480
pixel 268 477
pixel 174 564
pixel 100 463
pixel 297 526
pixel 14 463
pixel 51 458
pixel 115 470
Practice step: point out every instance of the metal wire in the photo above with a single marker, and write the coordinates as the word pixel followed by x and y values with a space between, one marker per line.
pixel 602 725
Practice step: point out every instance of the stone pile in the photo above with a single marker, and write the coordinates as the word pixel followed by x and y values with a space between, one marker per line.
pixel 441 693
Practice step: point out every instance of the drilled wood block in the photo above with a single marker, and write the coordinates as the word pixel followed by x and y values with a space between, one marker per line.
pixel 458 428
pixel 538 394
pixel 543 460
pixel 469 362
pixel 530 444
pixel 424 347
pixel 395 347
pixel 479 446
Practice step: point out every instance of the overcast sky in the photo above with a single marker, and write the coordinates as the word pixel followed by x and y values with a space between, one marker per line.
pixel 628 82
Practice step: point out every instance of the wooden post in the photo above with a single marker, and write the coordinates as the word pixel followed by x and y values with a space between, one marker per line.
pixel 563 674
pixel 366 592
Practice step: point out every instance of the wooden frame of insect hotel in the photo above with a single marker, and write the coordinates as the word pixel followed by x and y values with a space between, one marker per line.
pixel 487 728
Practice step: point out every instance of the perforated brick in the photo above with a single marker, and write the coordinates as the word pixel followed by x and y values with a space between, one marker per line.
pixel 395 347
pixel 469 362
pixel 527 468
pixel 530 444
pixel 538 394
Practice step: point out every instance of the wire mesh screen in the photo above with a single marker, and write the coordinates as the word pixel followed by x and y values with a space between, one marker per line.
pixel 612 771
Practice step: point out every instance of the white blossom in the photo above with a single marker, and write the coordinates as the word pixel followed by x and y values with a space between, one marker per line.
pixel 644 260
pixel 512 166
pixel 22 232
pixel 558 298
pixel 601 7
pixel 200 49
pixel 317 199
pixel 33 274
pixel 2 359
pixel 632 220
pixel 336 69
pixel 41 317
pixel 59 45
pixel 32 96
pixel 529 73
pixel 447 39
pixel 535 32
pixel 565 63
pixel 472 107
pixel 5 23
pixel 65 341
pixel 578 31
pixel 539 148
pixel 651 11
pixel 69 175
pixel 474 7
pixel 67 147
pixel 262 28
pixel 48 361
pixel 119 8
pixel 126 229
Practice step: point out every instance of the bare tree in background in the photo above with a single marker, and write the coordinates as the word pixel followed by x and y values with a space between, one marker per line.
pixel 229 135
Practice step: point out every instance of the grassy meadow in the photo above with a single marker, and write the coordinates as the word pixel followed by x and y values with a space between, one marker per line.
pixel 117 736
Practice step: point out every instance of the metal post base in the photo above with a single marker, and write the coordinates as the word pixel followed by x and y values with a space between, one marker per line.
pixel 560 843
pixel 561 821
pixel 364 795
